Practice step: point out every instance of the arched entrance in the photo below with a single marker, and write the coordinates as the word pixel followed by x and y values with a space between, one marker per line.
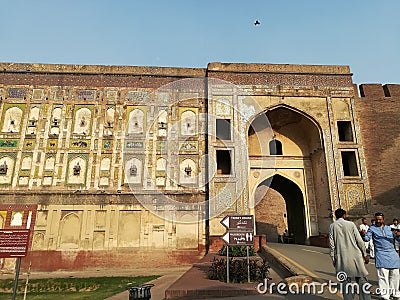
pixel 290 145
pixel 280 208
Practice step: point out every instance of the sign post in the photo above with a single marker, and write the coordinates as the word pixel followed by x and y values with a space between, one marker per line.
pixel 15 236
pixel 227 263
pixel 16 278
pixel 14 243
pixel 240 232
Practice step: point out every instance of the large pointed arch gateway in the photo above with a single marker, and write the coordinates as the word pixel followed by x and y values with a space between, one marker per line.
pixel 288 174
pixel 280 209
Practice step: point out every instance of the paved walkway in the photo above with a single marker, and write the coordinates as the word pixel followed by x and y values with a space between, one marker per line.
pixel 316 263
pixel 312 261
pixel 160 284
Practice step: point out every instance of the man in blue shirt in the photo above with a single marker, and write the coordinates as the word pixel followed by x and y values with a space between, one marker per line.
pixel 387 261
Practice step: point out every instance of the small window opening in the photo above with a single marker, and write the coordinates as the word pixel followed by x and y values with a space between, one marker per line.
pixel 275 147
pixel 223 129
pixel 224 162
pixel 345 131
pixel 349 163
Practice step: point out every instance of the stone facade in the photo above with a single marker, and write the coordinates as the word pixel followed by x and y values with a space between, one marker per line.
pixel 142 163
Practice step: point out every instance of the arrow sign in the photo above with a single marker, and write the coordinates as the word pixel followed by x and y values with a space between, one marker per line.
pixel 239 222
pixel 242 238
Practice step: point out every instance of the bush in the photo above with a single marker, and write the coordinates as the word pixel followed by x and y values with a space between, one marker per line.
pixel 259 270
pixel 237 251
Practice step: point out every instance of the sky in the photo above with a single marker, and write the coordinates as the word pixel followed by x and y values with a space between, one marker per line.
pixel 363 34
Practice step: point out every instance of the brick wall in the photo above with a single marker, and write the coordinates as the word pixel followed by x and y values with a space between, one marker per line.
pixel 378 111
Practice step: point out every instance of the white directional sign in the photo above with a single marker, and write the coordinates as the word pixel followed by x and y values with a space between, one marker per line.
pixel 238 222
pixel 239 238
pixel 240 230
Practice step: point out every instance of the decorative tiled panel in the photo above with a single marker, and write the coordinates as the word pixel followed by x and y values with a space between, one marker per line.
pixel 59 95
pixel 16 92
pixel 9 143
pixel 134 144
pixel 137 96
pixel 225 197
pixel 37 94
pixel 112 95
pixel 80 144
pixel 107 145
pixel 355 198
pixel 189 146
pixel 85 95
pixel 29 144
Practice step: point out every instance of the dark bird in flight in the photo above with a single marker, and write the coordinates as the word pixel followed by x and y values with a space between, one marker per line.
pixel 257 23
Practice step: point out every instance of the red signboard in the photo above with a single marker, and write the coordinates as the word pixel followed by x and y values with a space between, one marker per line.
pixel 14 242
pixel 239 238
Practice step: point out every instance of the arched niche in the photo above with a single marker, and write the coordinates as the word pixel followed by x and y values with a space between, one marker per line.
pixel 38 241
pixel 6 169
pixel 76 170
pixel 56 117
pixel 105 164
pixel 49 164
pixel 187 231
pixel 136 121
pixel 162 123
pixel 82 121
pixel 26 163
pixel 109 118
pixel 133 171
pixel 70 230
pixel 161 164
pixel 34 116
pixel 12 120
pixel 188 123
pixel 187 171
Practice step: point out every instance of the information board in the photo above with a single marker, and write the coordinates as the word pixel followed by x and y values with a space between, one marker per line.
pixel 14 242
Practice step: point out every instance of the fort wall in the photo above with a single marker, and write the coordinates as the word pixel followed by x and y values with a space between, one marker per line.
pixel 378 111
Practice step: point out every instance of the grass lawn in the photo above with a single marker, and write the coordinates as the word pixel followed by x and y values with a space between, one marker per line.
pixel 92 288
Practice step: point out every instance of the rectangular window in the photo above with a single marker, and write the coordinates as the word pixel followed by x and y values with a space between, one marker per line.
pixel 224 162
pixel 349 162
pixel 345 131
pixel 223 129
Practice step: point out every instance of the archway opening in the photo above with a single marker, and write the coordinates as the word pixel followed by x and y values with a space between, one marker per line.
pixel 280 211
pixel 303 157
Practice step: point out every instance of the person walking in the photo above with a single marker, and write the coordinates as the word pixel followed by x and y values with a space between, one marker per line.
pixel 387 261
pixel 369 246
pixel 396 226
pixel 348 254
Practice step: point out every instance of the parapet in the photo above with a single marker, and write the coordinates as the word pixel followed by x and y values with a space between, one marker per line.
pixel 101 70
pixel 378 91
pixel 278 68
